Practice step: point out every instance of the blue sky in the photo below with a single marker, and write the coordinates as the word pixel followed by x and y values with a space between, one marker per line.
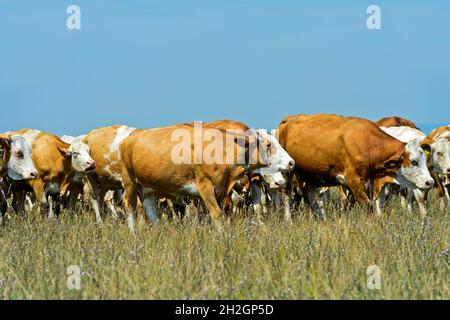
pixel 154 63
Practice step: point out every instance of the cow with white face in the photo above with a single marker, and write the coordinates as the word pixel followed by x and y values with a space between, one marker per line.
pixel 82 163
pixel 414 178
pixel 20 164
pixel 15 164
pixel 442 178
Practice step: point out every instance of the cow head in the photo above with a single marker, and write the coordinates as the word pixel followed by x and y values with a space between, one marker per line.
pixel 275 180
pixel 413 171
pixel 81 158
pixel 20 164
pixel 439 154
pixel 273 153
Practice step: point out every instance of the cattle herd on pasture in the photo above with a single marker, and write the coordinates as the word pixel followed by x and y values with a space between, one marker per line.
pixel 117 170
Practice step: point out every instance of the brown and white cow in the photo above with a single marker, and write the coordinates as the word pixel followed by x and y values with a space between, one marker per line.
pixel 443 178
pixel 269 180
pixel 331 150
pixel 187 160
pixel 15 165
pixel 56 162
pixel 425 153
pixel 395 122
pixel 104 144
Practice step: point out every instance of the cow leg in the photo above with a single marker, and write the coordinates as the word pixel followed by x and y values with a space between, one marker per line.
pixel 357 186
pixel 447 193
pixel 130 198
pixel 381 199
pixel 207 194
pixel 315 200
pixel 39 191
pixel 30 199
pixel 73 198
pixel 18 202
pixel 420 198
pixel 257 200
pixel 97 198
pixel 3 206
pixel 149 204
pixel 286 195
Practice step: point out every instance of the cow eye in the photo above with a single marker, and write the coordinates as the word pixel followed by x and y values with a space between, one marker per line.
pixel 19 154
pixel 75 154
pixel 439 154
pixel 414 163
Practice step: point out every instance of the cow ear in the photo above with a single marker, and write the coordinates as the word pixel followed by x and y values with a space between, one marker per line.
pixel 426 146
pixel 6 142
pixel 65 152
pixel 395 161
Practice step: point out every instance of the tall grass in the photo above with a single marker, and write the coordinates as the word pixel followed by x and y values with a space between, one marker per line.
pixel 310 259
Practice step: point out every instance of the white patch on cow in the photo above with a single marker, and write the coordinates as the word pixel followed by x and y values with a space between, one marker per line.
pixel 189 189
pixel 404 134
pixel 340 178
pixel 114 148
pixel 69 139
pixel 445 134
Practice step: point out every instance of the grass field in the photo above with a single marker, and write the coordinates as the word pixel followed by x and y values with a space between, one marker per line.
pixel 309 260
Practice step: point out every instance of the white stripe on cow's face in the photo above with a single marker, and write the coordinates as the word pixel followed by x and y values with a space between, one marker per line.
pixel 416 174
pixel 20 164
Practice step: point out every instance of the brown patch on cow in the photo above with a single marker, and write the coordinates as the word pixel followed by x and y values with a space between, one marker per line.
pixel 406 162
pixel 396 122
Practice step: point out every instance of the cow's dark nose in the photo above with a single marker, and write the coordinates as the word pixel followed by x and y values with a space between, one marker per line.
pixel 91 165
pixel 448 170
pixel 429 183
pixel 34 175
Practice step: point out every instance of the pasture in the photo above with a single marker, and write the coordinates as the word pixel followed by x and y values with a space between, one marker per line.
pixel 189 259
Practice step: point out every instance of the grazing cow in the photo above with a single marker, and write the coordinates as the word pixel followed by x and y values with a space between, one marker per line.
pixel 15 164
pixel 442 178
pixel 104 144
pixel 331 150
pixel 156 164
pixel 395 122
pixel 417 143
pixel 56 163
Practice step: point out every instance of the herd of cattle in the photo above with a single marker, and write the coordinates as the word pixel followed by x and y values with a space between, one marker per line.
pixel 118 169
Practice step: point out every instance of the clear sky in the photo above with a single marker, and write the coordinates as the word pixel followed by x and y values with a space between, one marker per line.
pixel 152 63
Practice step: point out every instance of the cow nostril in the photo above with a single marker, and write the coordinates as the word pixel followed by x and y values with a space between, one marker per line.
pixel 291 163
pixel 429 183
pixel 34 175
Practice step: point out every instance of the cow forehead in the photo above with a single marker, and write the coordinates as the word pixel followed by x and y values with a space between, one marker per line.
pixel 79 146
pixel 18 142
pixel 414 150
pixel 441 144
